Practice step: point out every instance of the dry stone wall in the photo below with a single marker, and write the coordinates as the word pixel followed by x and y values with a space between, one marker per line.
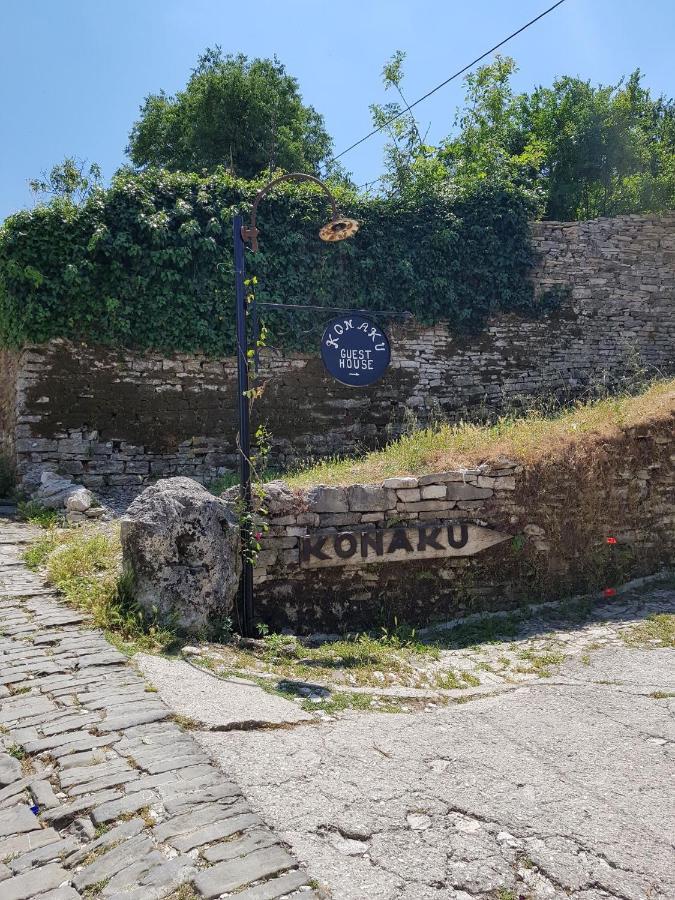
pixel 419 549
pixel 113 418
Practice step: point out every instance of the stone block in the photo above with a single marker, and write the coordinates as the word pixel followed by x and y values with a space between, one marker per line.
pixel 370 498
pixel 434 492
pixel 400 482
pixel 323 499
pixel 461 475
pixel 425 506
pixel 460 491
pixel 409 495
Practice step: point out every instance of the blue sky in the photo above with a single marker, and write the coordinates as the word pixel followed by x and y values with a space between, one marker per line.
pixel 74 72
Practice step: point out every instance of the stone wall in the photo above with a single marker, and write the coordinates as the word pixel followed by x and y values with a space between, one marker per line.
pixel 9 371
pixel 351 558
pixel 115 418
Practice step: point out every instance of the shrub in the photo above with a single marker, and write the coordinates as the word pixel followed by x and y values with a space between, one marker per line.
pixel 147 263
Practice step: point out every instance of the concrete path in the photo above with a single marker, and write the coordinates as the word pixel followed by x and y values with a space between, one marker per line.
pixel 101 793
pixel 560 787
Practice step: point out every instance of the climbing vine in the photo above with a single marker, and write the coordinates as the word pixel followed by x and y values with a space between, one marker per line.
pixel 147 263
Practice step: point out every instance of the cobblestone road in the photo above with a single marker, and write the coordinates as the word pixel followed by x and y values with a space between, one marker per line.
pixel 101 794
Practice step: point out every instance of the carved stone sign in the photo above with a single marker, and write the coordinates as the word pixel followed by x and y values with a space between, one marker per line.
pixel 354 350
pixel 355 548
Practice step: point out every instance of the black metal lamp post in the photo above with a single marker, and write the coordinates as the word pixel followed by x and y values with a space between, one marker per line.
pixel 337 229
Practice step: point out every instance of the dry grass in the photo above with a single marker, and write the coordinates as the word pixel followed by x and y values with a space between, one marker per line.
pixel 85 564
pixel 524 439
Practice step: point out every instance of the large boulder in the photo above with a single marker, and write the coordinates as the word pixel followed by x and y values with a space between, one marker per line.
pixel 182 545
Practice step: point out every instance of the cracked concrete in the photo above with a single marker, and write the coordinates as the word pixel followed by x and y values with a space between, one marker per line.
pixel 557 787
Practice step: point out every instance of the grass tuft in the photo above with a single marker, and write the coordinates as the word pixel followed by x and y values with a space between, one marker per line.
pixel 525 439
pixel 85 564
pixel 657 630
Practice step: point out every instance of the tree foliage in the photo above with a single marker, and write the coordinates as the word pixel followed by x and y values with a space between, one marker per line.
pixel 73 179
pixel 576 150
pixel 148 262
pixel 245 115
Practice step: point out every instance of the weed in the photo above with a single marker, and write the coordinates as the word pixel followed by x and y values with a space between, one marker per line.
pixel 185 722
pixel 18 690
pixel 96 890
pixel 506 894
pixel 17 751
pixel 340 701
pixel 36 514
pixel 657 630
pixel 662 695
pixel 85 564
pixel 184 892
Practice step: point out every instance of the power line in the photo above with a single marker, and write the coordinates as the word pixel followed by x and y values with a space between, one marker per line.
pixel 448 80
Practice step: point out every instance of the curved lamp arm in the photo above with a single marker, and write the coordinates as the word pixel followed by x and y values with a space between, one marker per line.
pixel 337 229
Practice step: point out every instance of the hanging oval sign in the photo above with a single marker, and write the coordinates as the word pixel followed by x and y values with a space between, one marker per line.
pixel 354 350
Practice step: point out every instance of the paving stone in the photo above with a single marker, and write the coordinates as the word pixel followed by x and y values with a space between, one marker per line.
pixel 159 881
pixel 79 683
pixel 70 810
pixel 23 843
pixel 17 820
pixel 221 791
pixel 170 784
pixel 128 720
pixel 30 885
pixel 158 765
pixel 63 893
pixel 77 760
pixel 255 839
pixel 44 794
pixel 206 814
pixel 279 887
pixel 87 774
pixel 99 784
pixel 237 873
pixel 13 712
pixel 85 828
pixel 218 831
pixel 119 857
pixel 10 769
pixel 50 851
pixel 133 873
pixel 86 744
pixel 111 810
pixel 72 723
pixel 118 833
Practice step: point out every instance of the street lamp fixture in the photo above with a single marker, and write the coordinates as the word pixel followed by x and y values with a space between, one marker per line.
pixel 339 228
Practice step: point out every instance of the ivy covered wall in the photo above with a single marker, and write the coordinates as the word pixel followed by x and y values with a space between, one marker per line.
pixel 147 263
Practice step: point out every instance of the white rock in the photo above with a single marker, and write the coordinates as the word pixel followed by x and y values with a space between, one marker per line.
pixel 80 500
pixel 182 545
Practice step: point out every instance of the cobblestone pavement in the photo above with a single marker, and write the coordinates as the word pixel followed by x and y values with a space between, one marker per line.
pixel 533 787
pixel 101 793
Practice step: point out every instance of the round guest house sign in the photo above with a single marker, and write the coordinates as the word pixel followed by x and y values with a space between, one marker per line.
pixel 354 350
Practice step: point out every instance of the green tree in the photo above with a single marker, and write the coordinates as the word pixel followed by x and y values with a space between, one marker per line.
pixel 413 170
pixel 244 115
pixel 494 142
pixel 580 150
pixel 71 180
pixel 608 149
